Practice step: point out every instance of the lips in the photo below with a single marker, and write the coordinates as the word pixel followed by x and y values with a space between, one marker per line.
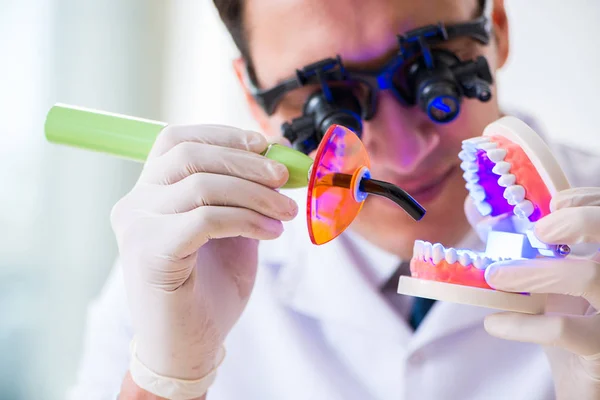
pixel 428 188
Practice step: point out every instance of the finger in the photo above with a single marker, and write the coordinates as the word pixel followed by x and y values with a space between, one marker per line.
pixel 482 225
pixel 217 135
pixel 576 197
pixel 199 190
pixel 189 158
pixel 579 278
pixel 576 334
pixel 196 227
pixel 570 226
pixel 473 216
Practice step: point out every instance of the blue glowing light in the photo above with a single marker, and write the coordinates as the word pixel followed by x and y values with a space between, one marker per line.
pixel 440 105
pixel 361 194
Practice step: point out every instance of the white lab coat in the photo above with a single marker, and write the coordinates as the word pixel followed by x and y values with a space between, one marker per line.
pixel 317 328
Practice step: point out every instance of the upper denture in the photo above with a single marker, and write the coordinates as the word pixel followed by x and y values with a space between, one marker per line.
pixel 501 178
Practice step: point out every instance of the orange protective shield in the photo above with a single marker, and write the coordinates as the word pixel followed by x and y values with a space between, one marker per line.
pixel 331 201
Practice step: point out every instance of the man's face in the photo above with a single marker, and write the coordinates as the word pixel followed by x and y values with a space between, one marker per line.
pixel 406 148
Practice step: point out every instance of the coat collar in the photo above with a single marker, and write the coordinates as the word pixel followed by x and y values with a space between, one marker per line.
pixel 334 284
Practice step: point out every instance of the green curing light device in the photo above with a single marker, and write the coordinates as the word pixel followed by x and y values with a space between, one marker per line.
pixel 132 138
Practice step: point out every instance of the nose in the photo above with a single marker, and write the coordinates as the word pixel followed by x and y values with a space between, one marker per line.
pixel 399 139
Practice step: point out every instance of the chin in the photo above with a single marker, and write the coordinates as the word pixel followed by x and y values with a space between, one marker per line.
pixel 386 225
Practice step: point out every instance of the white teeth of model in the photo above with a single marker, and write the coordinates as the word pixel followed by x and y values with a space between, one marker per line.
pixel 487 146
pixel 471 176
pixel 437 253
pixel 451 256
pixel 473 144
pixel 524 209
pixel 496 155
pixel 478 262
pixel 481 262
pixel 476 140
pixel 473 186
pixel 468 166
pixel 507 180
pixel 418 249
pixel 501 168
pixel 487 261
pixel 476 191
pixel 464 259
pixel 467 155
pixel 484 208
pixel 428 251
pixel 514 194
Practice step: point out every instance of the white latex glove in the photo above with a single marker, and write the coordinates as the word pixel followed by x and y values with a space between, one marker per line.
pixel 187 235
pixel 570 329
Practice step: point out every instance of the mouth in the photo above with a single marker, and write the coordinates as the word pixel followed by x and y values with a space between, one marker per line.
pixel 432 190
pixel 502 181
pixel 429 191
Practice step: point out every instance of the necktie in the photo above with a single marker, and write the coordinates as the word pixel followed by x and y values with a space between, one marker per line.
pixel 420 306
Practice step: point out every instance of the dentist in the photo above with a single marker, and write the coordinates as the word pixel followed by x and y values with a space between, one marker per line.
pixel 218 294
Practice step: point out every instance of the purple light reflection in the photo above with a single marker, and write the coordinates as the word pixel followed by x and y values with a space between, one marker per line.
pixel 494 193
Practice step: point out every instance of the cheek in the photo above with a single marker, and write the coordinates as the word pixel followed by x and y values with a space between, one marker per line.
pixel 273 124
pixel 475 116
pixel 284 113
pixel 471 122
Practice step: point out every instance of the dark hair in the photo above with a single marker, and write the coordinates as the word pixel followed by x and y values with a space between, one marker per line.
pixel 232 15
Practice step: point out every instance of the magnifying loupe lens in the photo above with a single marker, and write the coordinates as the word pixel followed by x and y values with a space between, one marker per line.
pixel 443 108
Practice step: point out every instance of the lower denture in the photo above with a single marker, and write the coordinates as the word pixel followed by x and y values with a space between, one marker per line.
pixel 455 273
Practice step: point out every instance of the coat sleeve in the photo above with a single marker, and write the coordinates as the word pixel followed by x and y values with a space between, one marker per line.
pixel 105 352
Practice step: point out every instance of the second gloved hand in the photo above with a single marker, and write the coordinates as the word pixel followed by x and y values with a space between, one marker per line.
pixel 570 329
pixel 188 234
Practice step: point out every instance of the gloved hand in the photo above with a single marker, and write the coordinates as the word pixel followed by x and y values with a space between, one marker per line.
pixel 187 235
pixel 570 329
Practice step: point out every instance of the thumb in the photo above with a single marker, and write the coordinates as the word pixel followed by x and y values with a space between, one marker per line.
pixel 483 224
pixel 471 212
pixel 476 220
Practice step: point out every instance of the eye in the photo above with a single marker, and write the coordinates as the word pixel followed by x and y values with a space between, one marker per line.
pixel 292 103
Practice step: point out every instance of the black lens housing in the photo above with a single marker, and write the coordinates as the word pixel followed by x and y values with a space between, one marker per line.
pixel 320 112
pixel 421 74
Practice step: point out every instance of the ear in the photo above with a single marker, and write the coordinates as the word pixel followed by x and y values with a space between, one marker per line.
pixel 500 29
pixel 240 67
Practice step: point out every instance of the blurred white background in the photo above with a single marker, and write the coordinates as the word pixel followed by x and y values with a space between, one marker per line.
pixel 170 60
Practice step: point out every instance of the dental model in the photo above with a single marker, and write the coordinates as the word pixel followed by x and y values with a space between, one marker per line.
pixel 511 176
